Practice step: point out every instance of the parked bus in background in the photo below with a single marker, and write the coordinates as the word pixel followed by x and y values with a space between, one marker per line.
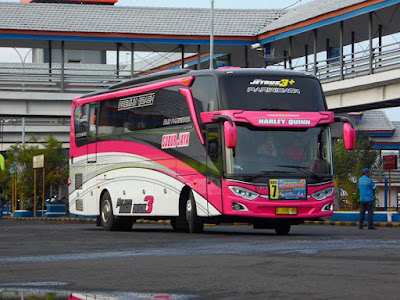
pixel 207 146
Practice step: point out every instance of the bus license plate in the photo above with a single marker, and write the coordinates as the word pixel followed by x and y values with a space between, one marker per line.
pixel 286 211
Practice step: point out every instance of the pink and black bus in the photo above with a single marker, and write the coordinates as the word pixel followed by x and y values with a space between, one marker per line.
pixel 207 146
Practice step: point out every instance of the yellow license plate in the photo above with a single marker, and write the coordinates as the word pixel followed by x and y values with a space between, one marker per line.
pixel 286 211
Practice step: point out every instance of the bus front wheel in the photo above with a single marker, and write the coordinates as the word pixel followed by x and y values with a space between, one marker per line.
pixel 111 222
pixel 195 224
pixel 282 229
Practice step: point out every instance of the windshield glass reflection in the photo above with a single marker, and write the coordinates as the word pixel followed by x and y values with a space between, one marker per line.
pixel 298 154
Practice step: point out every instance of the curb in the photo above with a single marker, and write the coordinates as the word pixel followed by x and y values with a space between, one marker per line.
pixel 52 219
pixel 350 223
pixel 168 222
pixel 159 222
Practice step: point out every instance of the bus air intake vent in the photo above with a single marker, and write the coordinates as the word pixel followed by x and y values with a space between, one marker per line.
pixel 78 181
pixel 79 205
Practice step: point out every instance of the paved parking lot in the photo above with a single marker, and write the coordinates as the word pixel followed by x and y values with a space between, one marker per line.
pixel 224 262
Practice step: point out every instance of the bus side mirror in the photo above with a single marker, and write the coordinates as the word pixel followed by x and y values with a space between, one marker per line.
pixel 230 134
pixel 349 136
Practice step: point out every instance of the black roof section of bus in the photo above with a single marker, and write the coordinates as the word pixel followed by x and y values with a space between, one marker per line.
pixel 141 80
pixel 251 72
pixel 147 78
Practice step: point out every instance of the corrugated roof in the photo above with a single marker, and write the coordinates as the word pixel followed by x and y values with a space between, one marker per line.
pixel 133 20
pixel 374 120
pixel 395 138
pixel 308 11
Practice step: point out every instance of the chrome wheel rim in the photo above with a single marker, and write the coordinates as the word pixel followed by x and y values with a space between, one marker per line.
pixel 105 212
pixel 188 209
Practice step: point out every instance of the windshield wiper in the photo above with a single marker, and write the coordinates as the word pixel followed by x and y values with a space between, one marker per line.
pixel 274 109
pixel 304 169
pixel 249 177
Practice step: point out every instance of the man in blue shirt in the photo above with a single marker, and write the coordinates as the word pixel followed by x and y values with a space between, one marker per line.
pixel 367 196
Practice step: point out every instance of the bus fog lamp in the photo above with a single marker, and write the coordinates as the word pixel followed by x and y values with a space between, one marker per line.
pixel 244 193
pixel 239 206
pixel 328 207
pixel 323 194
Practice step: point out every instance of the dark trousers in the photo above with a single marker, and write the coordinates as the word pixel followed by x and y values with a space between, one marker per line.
pixel 367 206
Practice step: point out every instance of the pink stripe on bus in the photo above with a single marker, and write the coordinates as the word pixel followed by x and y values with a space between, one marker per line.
pixel 189 98
pixel 183 81
pixel 177 168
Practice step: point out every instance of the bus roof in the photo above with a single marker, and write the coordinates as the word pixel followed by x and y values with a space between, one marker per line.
pixel 146 79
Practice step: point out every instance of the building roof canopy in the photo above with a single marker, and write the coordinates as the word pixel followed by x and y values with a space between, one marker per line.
pixel 100 26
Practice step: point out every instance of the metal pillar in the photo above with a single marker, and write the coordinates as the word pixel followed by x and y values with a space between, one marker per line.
pixel 380 40
pixel 306 56
pixel 117 63
pixel 264 52
pixel 327 56
pixel 315 51
pixel 132 60
pixel 371 51
pixel 50 57
pixel 198 57
pixel 341 50
pixel 290 52
pixel 246 58
pixel 182 56
pixel 62 66
pixel 284 58
pixel 353 39
pixel 386 192
pixel 327 49
pixel 23 132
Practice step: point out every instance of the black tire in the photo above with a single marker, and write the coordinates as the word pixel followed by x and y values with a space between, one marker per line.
pixel 179 224
pixel 282 229
pixel 125 223
pixel 195 224
pixel 107 218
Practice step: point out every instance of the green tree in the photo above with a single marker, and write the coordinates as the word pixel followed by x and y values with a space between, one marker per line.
pixel 349 166
pixel 56 167
pixel 22 157
pixel 56 163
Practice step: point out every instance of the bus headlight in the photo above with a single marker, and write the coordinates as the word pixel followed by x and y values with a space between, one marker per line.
pixel 244 193
pixel 323 194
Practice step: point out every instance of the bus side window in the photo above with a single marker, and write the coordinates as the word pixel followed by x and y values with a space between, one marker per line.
pixel 204 90
pixel 213 145
pixel 81 121
pixel 93 121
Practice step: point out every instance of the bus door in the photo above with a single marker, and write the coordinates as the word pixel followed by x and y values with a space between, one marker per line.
pixel 214 166
pixel 92 134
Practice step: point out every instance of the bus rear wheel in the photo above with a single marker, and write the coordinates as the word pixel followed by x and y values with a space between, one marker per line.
pixel 195 224
pixel 282 229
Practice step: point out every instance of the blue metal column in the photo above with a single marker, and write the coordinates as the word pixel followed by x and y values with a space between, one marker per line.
pixel 386 192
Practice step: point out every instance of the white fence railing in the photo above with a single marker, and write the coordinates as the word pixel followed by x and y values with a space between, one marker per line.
pixel 355 64
pixel 75 78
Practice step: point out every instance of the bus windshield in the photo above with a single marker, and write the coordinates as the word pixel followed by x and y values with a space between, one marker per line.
pixel 261 154
pixel 255 93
